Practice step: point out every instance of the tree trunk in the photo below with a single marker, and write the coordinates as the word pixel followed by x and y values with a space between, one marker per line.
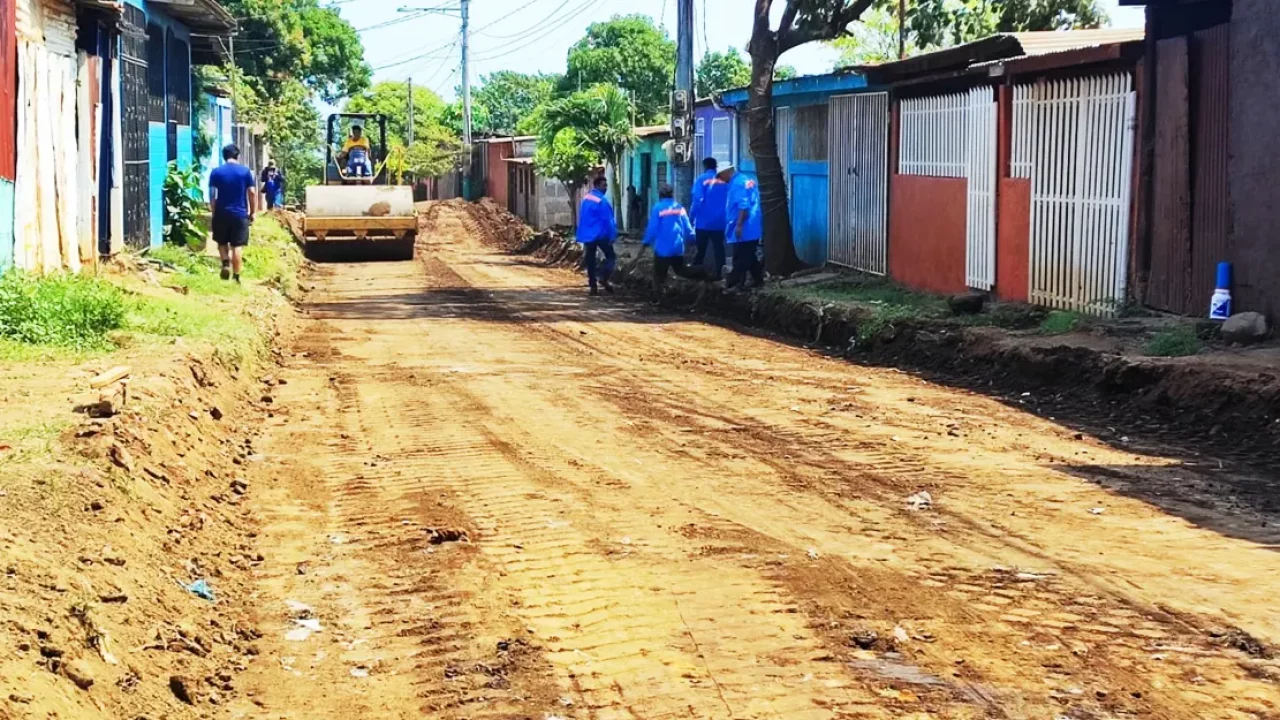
pixel 615 185
pixel 572 189
pixel 779 250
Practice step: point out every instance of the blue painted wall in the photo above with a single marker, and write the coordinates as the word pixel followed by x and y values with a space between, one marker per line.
pixel 159 165
pixel 809 215
pixel 652 146
pixel 6 224
pixel 186 147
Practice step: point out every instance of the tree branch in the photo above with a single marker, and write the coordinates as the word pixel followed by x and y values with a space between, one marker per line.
pixel 840 19
pixel 788 20
pixel 760 26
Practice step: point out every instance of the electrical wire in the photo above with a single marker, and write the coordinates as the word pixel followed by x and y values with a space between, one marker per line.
pixel 587 6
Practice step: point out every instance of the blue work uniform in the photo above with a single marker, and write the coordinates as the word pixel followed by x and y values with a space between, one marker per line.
pixel 744 195
pixel 710 194
pixel 669 227
pixel 597 229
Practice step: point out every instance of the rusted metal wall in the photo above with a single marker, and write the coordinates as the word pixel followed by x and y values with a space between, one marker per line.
pixel 1191 209
pixel 1013 262
pixel 927 232
pixel 1254 172
pixel 8 88
pixel 1170 273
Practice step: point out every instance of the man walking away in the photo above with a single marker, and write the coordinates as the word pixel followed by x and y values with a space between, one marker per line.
pixel 710 195
pixel 233 201
pixel 743 228
pixel 668 229
pixel 597 230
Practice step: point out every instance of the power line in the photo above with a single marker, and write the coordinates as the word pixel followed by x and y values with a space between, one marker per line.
pixel 585 7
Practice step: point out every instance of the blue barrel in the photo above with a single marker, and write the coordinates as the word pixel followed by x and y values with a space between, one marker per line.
pixel 1224 276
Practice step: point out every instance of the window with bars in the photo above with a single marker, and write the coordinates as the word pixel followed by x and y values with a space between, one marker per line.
pixel 156 84
pixel 178 75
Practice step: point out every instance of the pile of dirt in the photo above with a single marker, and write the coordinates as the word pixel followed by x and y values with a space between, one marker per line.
pixel 128 556
pixel 554 246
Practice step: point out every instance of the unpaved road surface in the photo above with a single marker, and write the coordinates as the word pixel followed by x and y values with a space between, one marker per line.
pixel 500 499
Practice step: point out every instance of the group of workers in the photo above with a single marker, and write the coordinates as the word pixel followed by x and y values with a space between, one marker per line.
pixel 725 211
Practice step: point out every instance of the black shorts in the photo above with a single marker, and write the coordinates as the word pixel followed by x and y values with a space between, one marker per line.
pixel 231 230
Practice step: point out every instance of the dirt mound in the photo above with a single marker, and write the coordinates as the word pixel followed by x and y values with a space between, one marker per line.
pixel 128 558
pixel 501 229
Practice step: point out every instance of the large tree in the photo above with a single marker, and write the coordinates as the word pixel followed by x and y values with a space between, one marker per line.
pixel 391 98
pixel 600 119
pixel 562 154
pixel 631 53
pixel 720 71
pixel 512 96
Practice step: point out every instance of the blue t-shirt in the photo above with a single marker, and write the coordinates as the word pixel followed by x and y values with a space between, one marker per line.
pixel 228 184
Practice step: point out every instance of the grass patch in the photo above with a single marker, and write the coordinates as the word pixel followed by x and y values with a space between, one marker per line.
pixel 1061 322
pixel 1179 341
pixel 272 259
pixel 870 293
pixel 65 311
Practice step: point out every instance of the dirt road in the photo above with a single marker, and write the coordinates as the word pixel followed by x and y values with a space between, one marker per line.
pixel 500 499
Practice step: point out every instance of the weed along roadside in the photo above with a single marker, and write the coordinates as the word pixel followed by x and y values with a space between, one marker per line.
pixel 129 404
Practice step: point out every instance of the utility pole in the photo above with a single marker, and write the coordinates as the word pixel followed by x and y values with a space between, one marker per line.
pixel 409 140
pixel 466 98
pixel 682 103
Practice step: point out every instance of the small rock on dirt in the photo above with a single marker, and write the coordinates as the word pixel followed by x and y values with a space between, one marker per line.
pixel 181 689
pixel 439 536
pixel 215 412
pixel 121 457
pixel 920 501
pixel 864 639
pixel 1245 328
pixel 380 209
pixel 79 673
pixel 21 698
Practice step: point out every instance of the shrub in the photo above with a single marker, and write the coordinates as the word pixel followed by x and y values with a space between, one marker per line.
pixel 64 310
pixel 1175 342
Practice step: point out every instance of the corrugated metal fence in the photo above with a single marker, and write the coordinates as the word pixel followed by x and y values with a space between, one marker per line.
pixel 955 136
pixel 858 138
pixel 1074 140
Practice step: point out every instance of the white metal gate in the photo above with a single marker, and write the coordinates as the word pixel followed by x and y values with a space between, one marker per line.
pixel 858 153
pixel 955 136
pixel 1074 140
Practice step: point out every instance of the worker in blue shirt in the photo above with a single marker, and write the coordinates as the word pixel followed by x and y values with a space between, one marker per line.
pixel 743 227
pixel 707 213
pixel 597 230
pixel 666 233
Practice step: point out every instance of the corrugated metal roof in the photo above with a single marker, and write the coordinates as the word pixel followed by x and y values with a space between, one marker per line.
pixel 651 130
pixel 200 15
pixel 1044 43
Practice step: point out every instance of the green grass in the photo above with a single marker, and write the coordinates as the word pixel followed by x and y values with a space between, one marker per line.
pixel 272 258
pixel 64 311
pixel 872 292
pixel 1061 322
pixel 1179 341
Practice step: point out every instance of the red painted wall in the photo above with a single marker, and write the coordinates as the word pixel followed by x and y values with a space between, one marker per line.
pixel 1013 240
pixel 497 185
pixel 927 227
pixel 8 88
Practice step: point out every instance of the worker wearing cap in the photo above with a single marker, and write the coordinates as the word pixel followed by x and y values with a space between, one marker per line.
pixel 359 153
pixel 597 229
pixel 707 213
pixel 743 227
pixel 666 233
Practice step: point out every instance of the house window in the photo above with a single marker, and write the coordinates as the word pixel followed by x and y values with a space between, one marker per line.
pixel 744 138
pixel 700 139
pixel 722 140
pixel 662 173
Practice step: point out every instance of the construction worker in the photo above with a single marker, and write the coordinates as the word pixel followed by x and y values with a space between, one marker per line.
pixel 710 195
pixel 666 233
pixel 743 227
pixel 359 153
pixel 597 230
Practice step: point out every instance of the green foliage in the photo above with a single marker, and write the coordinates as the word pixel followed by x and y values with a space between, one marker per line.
pixel 631 54
pixel 1061 322
pixel 391 98
pixel 784 72
pixel 72 311
pixel 272 258
pixel 451 118
pixel 563 155
pixel 434 157
pixel 1179 341
pixel 511 96
pixel 292 124
pixel 933 24
pixel 600 119
pixel 186 222
pixel 720 71
pixel 280 41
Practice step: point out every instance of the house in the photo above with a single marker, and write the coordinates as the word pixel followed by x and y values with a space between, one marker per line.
pixel 644 166
pixel 1209 164
pixel 715 133
pixel 801 117
pixel 103 105
pixel 513 182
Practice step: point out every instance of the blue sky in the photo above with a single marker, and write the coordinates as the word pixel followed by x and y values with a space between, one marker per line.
pixel 535 35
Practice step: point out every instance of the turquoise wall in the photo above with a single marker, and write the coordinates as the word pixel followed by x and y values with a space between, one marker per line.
pixel 159 166
pixel 6 224
pixel 186 147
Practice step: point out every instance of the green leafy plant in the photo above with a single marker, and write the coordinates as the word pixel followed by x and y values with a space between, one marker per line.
pixel 61 310
pixel 1061 322
pixel 186 223
pixel 1179 341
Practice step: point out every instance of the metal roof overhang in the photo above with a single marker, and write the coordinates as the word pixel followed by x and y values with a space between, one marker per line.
pixel 210 25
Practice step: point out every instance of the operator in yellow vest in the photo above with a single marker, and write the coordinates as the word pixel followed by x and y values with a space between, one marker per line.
pixel 359 153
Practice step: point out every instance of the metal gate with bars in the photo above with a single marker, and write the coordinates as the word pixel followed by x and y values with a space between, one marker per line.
pixel 955 136
pixel 1074 140
pixel 783 119
pixel 134 106
pixel 858 141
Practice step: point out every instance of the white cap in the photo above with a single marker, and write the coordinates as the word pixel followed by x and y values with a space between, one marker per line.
pixel 725 168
